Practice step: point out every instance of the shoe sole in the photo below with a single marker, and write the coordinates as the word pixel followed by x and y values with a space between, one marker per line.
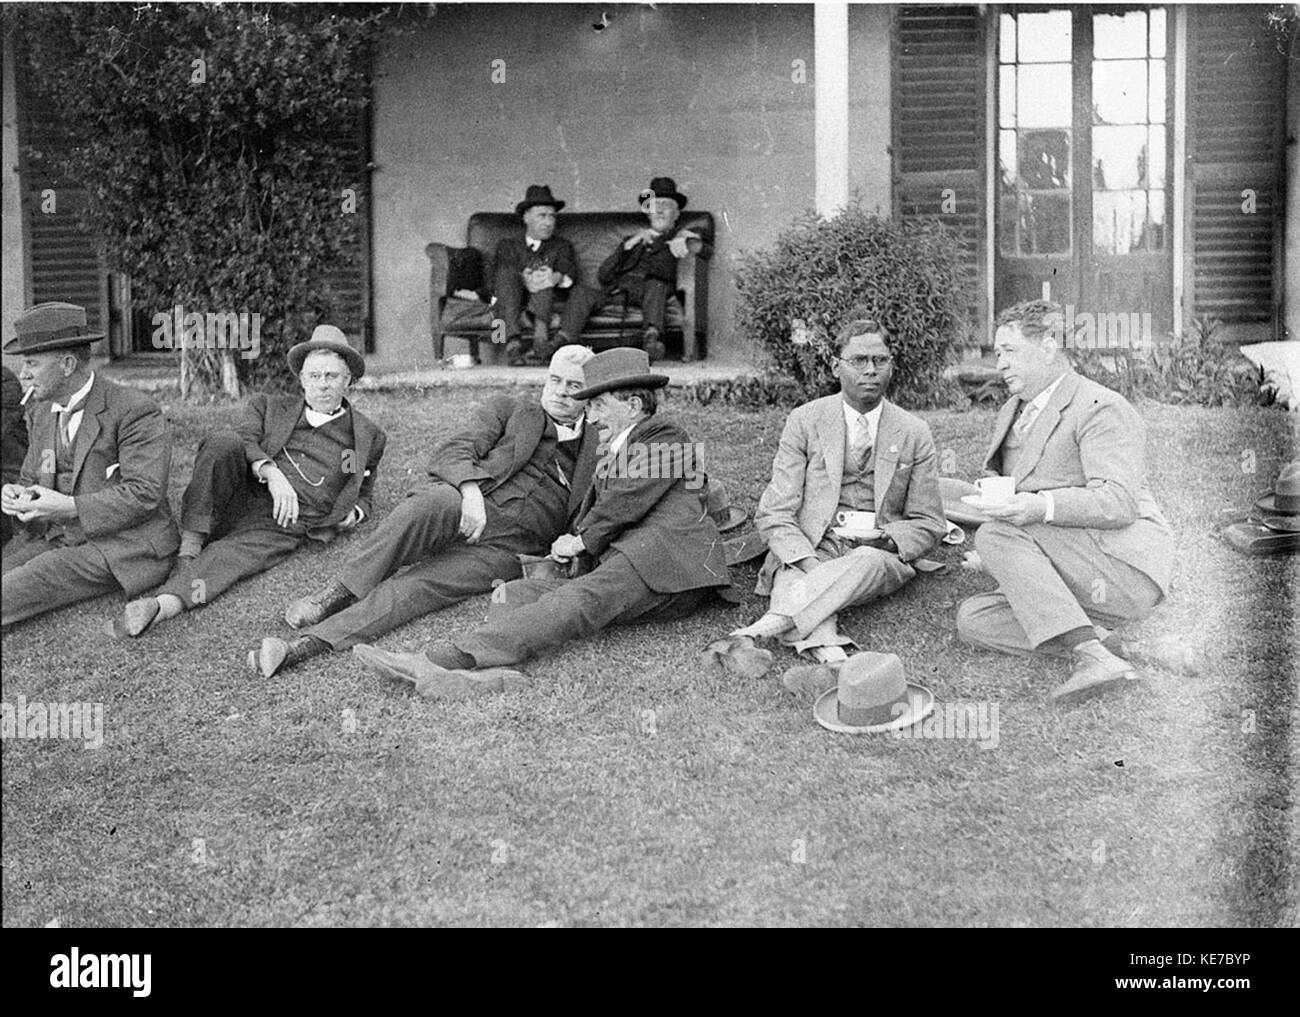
pixel 126 628
pixel 1095 689
pixel 260 661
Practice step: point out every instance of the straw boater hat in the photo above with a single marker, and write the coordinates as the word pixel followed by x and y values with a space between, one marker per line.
pixel 538 194
pixel 54 325
pixel 1285 497
pixel 331 340
pixel 622 367
pixel 873 695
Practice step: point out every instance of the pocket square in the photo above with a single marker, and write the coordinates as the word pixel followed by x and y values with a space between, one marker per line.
pixel 108 473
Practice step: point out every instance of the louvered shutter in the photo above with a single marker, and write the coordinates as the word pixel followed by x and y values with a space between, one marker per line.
pixel 939 90
pixel 1236 93
pixel 350 279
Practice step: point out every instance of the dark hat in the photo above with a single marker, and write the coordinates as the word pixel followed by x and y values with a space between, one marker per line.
pixel 663 187
pixel 1285 499
pixel 331 340
pixel 538 194
pixel 725 515
pixel 621 367
pixel 50 326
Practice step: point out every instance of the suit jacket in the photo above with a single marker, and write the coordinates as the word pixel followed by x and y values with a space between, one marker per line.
pixel 497 443
pixel 269 420
pixel 1088 448
pixel 639 504
pixel 798 507
pixel 120 461
pixel 514 253
pixel 13 429
pixel 650 261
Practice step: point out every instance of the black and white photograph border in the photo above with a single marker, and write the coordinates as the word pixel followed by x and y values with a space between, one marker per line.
pixel 269 223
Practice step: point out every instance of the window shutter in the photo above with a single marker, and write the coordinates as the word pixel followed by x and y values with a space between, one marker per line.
pixel 1236 93
pixel 939 109
pixel 350 279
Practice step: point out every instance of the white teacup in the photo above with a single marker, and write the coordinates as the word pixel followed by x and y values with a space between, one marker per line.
pixel 856 520
pixel 996 488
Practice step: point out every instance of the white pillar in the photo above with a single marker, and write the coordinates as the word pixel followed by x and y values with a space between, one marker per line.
pixel 831 80
pixel 13 288
pixel 1178 239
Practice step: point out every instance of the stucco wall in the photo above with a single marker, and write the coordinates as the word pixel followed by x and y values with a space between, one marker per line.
pixel 12 294
pixel 702 94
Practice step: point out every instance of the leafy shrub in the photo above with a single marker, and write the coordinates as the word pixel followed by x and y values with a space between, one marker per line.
pixel 903 273
pixel 1198 369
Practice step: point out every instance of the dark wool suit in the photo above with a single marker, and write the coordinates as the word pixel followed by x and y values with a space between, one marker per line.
pixel 646 274
pixel 225 501
pixel 513 255
pixel 13 441
pixel 658 554
pixel 509 447
pixel 123 535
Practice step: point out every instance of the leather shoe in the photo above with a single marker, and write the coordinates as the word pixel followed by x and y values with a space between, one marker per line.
pixel 808 681
pixel 319 606
pixel 136 618
pixel 417 673
pixel 276 654
pixel 738 655
pixel 1095 670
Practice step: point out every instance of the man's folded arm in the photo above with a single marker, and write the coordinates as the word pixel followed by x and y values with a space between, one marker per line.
pixel 460 456
pixel 922 525
pixel 777 517
pixel 1112 453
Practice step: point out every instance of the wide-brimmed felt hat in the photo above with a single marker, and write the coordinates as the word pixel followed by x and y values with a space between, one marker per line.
pixel 53 325
pixel 621 367
pixel 663 187
pixel 1284 500
pixel 725 515
pixel 952 490
pixel 538 194
pixel 873 695
pixel 331 340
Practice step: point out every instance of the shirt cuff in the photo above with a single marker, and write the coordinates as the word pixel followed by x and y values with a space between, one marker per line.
pixel 361 514
pixel 1050 512
pixel 565 282
pixel 261 477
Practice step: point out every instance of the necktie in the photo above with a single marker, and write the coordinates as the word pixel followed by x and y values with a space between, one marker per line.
pixel 1026 419
pixel 65 419
pixel 861 440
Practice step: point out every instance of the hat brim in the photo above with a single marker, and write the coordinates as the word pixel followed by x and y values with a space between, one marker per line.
pixel 1268 505
pixel 952 490
pixel 636 381
pixel 524 206
pixel 1283 524
pixel 740 550
pixel 15 348
pixel 355 361
pixel 826 712
pixel 735 517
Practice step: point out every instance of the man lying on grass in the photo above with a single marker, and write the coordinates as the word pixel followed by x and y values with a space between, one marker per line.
pixel 507 483
pixel 296 468
pixel 643 532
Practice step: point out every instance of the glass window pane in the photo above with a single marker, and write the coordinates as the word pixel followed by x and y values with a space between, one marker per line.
pixel 1007 156
pixel 1043 96
pixel 1156 219
pixel 1121 225
pixel 1044 38
pixel 1044 223
pixel 1119 92
pixel 1119 158
pixel 1045 160
pixel 1158 32
pixel 1007 39
pixel 1119 35
pixel 1156 164
pixel 1007 96
pixel 1007 222
pixel 1157 92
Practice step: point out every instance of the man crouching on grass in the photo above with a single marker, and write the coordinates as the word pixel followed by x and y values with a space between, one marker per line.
pixel 652 548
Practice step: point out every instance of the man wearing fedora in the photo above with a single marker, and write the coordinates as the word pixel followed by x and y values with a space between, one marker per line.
pixel 1081 543
pixel 539 264
pixel 296 467
pixel 652 549
pixel 850 452
pixel 504 485
pixel 643 268
pixel 91 499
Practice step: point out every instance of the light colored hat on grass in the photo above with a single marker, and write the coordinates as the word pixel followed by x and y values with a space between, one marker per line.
pixel 873 696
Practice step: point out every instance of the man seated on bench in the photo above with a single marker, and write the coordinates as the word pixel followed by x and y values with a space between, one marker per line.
pixel 643 269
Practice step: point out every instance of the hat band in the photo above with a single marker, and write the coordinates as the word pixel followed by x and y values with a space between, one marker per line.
pixel 67 332
pixel 870 716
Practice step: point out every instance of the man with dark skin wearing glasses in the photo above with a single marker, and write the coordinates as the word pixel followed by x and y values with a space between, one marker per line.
pixel 850 452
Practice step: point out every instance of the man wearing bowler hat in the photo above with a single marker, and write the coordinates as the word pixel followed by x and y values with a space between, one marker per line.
pixel 91 498
pixel 539 264
pixel 643 268
pixel 1081 543
pixel 296 467
pixel 643 532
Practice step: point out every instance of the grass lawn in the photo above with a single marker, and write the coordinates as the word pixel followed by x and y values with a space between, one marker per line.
pixel 629 787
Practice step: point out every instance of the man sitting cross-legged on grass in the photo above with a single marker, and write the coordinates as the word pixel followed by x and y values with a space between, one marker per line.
pixel 850 452
pixel 295 468
pixel 1082 542
pixel 505 484
pixel 643 525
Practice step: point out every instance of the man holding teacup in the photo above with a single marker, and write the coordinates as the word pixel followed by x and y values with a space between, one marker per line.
pixel 854 498
pixel 1075 539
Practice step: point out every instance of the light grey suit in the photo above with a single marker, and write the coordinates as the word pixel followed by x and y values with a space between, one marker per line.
pixel 1106 557
pixel 798 508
